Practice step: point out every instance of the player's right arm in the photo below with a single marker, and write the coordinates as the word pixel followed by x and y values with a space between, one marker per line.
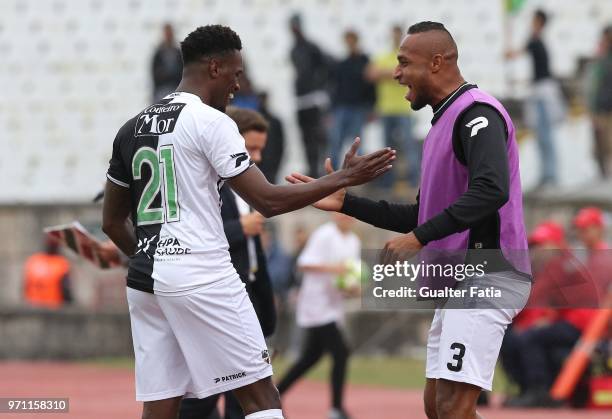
pixel 271 200
pixel 382 214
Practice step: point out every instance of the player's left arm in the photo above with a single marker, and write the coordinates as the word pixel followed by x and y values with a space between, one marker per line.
pixel 115 217
pixel 483 150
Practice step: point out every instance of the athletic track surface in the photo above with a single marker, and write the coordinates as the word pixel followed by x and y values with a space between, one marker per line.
pixel 98 392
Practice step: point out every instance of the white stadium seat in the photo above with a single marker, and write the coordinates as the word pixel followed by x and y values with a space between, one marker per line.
pixel 74 70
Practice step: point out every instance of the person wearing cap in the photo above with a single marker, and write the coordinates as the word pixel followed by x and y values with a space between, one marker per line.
pixel 546 241
pixel 554 319
pixel 590 227
pixel 549 258
pixel 548 235
pixel 560 278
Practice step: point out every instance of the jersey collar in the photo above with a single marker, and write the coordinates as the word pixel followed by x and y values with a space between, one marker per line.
pixel 445 103
pixel 183 95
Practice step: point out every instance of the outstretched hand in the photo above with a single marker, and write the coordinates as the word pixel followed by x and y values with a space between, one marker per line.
pixel 331 202
pixel 362 169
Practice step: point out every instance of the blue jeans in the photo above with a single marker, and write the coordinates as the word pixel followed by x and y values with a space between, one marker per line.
pixel 540 350
pixel 397 131
pixel 347 124
pixel 544 134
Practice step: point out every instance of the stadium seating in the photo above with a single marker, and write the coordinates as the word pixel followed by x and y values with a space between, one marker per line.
pixel 74 70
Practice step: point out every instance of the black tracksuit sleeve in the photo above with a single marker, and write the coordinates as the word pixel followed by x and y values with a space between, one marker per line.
pixel 262 294
pixel 482 148
pixel 382 214
pixel 234 232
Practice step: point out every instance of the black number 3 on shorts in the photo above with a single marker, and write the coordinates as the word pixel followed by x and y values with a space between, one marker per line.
pixel 457 357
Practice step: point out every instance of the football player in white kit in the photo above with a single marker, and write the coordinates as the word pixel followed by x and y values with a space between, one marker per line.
pixel 194 328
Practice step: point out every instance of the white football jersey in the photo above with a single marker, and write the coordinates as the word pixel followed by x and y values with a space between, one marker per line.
pixel 174 157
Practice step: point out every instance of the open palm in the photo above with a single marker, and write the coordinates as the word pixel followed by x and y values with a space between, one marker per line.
pixel 331 202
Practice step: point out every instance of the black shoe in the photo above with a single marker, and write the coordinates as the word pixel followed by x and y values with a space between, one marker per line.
pixel 483 399
pixel 533 398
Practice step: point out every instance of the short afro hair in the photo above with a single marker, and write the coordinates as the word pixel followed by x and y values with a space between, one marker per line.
pixel 209 40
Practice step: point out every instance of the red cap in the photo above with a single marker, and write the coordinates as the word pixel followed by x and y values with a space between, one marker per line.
pixel 589 216
pixel 547 231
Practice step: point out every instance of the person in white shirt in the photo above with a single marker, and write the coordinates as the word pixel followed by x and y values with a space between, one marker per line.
pixel 328 253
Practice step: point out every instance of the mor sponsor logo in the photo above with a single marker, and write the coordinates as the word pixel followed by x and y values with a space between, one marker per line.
pixel 158 119
pixel 159 109
pixel 230 377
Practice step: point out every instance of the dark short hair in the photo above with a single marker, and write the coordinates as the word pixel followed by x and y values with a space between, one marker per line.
pixel 209 40
pixel 542 15
pixel 427 26
pixel 247 119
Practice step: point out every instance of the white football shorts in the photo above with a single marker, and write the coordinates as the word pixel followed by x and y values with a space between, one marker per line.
pixel 463 344
pixel 196 345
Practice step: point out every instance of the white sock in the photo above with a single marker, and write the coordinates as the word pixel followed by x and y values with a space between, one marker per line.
pixel 266 414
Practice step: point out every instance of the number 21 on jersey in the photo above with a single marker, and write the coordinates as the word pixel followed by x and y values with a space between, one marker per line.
pixel 163 179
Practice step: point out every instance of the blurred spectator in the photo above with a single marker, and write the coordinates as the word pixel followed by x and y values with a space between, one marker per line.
pixel 548 237
pixel 47 277
pixel 320 305
pixel 167 65
pixel 300 238
pixel 280 264
pixel 312 71
pixel 535 348
pixel 246 97
pixel 243 225
pixel 590 226
pixel 394 112
pixel 545 107
pixel 352 99
pixel 272 155
pixel 560 278
pixel 600 103
pixel 510 353
pixel 544 347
